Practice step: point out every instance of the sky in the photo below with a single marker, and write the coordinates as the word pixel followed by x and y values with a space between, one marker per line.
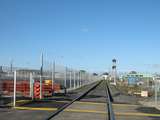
pixel 85 34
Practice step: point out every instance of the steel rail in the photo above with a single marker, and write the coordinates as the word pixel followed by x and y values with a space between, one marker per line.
pixel 109 101
pixel 74 100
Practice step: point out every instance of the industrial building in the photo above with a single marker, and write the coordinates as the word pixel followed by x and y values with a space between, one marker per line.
pixel 137 78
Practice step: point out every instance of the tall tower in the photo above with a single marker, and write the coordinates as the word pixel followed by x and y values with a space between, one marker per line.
pixel 114 71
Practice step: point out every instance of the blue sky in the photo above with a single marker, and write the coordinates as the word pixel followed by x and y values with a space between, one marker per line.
pixel 81 33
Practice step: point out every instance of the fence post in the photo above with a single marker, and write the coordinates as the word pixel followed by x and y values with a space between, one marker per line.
pixel 90 79
pixel 77 79
pixel 70 79
pixel 74 79
pixel 155 87
pixel 40 87
pixel 65 79
pixel 80 78
pixel 30 79
pixel 14 96
pixel 53 73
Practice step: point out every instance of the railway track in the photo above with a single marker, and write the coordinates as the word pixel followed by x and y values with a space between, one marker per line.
pixel 108 97
pixel 109 101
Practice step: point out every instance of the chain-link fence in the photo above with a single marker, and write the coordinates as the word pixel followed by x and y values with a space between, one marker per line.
pixel 7 81
pixel 145 86
pixel 22 83
pixel 151 89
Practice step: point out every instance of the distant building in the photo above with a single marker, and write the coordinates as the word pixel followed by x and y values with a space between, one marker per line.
pixel 28 71
pixel 134 78
pixel 105 75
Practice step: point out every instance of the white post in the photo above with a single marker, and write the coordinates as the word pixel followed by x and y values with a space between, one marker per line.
pixel 70 79
pixel 74 79
pixel 40 87
pixel 14 96
pixel 78 80
pixel 31 85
